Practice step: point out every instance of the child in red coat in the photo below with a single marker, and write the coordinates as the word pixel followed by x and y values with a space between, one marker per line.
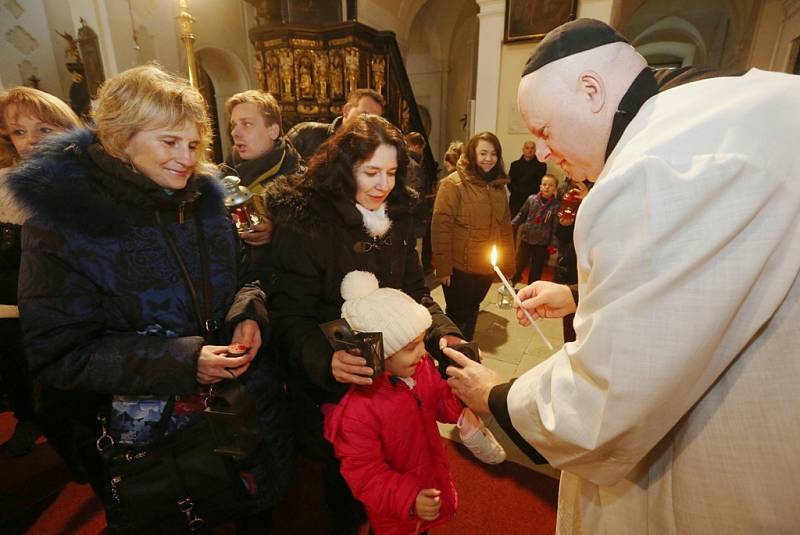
pixel 385 434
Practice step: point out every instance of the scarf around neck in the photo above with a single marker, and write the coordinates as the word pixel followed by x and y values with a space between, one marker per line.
pixel 376 222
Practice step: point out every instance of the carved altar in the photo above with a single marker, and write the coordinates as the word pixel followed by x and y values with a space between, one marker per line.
pixel 311 69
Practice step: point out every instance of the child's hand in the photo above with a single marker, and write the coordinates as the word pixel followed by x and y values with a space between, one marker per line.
pixel 428 504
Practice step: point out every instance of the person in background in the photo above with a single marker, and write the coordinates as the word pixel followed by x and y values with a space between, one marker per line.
pixel 679 396
pixel 260 153
pixel 27 116
pixel 131 291
pixel 451 156
pixel 351 210
pixel 471 215
pixel 525 175
pixel 417 179
pixel 385 434
pixel 307 137
pixel 419 182
pixel 571 194
pixel 538 220
pixel 415 142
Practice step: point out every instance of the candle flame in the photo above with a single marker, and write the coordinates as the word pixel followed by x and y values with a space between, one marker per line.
pixel 494 255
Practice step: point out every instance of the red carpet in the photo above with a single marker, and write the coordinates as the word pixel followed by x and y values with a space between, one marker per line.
pixel 37 497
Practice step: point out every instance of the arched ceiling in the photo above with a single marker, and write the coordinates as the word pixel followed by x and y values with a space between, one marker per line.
pixel 720 29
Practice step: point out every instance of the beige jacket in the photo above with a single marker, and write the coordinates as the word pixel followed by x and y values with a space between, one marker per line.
pixel 677 409
pixel 469 216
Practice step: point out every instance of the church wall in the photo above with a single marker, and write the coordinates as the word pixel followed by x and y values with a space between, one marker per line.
pixel 776 34
pixel 460 83
pixel 29 46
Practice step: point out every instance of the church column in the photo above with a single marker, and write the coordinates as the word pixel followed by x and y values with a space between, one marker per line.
pixel 487 84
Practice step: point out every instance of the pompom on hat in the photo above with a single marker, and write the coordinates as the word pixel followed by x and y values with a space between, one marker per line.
pixel 368 308
pixel 571 38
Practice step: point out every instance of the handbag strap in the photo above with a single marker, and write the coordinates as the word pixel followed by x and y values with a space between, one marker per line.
pixel 161 427
pixel 202 309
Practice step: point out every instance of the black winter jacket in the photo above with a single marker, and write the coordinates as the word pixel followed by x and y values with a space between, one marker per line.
pixel 525 176
pixel 307 137
pixel 104 307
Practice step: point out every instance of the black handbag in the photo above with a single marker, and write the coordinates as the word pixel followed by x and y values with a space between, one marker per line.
pixel 177 484
pixel 185 481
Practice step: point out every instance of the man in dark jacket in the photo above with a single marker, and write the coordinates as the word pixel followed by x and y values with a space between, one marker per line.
pixel 308 136
pixel 259 155
pixel 526 175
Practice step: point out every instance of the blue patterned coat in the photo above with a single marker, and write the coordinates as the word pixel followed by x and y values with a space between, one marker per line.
pixel 104 307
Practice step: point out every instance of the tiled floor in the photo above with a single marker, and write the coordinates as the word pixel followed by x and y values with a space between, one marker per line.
pixel 509 349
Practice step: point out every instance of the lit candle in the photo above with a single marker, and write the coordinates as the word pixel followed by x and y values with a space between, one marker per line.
pixel 516 299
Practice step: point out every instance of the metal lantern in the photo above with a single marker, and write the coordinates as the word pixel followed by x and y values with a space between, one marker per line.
pixel 504 299
pixel 241 204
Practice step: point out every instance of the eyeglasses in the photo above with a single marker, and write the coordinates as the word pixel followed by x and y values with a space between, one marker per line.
pixel 367 246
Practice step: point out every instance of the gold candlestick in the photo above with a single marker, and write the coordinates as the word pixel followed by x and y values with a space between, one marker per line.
pixel 186 20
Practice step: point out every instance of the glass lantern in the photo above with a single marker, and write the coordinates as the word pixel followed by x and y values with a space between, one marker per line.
pixel 504 299
pixel 240 204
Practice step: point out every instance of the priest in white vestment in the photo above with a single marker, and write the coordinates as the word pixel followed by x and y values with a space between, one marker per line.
pixel 677 409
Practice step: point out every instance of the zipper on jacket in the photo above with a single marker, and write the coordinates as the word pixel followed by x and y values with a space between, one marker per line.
pixel 181 207
pixel 416 397
pixel 395 380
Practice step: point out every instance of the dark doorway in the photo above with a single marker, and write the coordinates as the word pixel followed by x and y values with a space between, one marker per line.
pixel 208 92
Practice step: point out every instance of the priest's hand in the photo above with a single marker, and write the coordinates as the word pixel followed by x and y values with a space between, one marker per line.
pixel 472 382
pixel 545 299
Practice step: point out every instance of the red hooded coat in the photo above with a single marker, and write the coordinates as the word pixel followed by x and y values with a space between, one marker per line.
pixel 385 436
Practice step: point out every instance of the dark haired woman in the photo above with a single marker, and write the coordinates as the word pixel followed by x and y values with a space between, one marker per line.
pixel 471 215
pixel 351 211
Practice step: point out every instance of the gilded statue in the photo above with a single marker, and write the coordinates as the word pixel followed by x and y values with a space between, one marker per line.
pixel 286 73
pixel 259 66
pixel 378 69
pixel 71 51
pixel 336 74
pixel 351 66
pixel 321 65
pixel 306 82
pixel 273 74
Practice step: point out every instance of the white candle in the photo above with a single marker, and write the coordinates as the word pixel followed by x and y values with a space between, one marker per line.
pixel 517 301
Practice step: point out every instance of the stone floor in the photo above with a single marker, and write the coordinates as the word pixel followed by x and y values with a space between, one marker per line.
pixel 509 349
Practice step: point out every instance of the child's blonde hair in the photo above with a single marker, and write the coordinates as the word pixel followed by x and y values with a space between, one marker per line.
pixel 548 175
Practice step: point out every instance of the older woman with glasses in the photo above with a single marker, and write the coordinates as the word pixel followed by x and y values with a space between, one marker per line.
pixel 351 211
pixel 130 292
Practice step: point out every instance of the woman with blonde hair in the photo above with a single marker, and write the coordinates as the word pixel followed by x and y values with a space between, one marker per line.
pixel 27 116
pixel 470 215
pixel 131 299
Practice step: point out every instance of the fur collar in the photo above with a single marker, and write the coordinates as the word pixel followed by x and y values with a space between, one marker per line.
pixel 68 184
pixel 10 210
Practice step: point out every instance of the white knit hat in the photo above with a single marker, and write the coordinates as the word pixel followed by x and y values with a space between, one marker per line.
pixel 368 308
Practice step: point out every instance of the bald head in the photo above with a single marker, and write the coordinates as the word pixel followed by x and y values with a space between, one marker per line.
pixel 569 105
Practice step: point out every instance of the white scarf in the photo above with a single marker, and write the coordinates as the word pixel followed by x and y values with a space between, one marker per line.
pixel 376 222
